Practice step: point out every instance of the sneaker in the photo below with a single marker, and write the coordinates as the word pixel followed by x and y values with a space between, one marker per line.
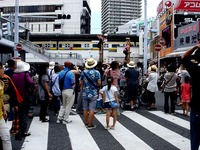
pixel 67 121
pixel 91 127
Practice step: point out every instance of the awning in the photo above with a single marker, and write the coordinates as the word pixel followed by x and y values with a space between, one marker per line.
pixel 176 54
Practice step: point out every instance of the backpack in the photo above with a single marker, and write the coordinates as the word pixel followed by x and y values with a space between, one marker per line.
pixel 62 80
pixel 52 84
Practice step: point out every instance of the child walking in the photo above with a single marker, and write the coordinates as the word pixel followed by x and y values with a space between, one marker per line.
pixel 185 95
pixel 111 102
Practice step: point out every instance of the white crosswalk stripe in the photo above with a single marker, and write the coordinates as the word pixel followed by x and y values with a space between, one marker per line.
pixel 39 136
pixel 173 119
pixel 122 135
pixel 77 131
pixel 166 134
pixel 81 138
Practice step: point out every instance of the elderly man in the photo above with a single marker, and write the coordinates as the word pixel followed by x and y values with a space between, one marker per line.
pixel 90 82
pixel 67 93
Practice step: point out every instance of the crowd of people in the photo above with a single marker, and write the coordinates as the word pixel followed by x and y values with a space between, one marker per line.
pixel 97 87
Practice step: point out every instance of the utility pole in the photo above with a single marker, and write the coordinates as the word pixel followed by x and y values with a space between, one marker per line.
pixel 16 37
pixel 100 46
pixel 145 38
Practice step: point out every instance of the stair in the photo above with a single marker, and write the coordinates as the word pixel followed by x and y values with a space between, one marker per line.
pixel 48 56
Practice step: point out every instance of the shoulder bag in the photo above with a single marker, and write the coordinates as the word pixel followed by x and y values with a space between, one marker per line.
pixel 113 104
pixel 165 83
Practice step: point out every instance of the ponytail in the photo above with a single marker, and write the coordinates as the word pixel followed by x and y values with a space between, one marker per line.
pixel 109 82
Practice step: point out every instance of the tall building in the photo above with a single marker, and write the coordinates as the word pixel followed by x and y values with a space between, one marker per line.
pixel 119 12
pixel 51 16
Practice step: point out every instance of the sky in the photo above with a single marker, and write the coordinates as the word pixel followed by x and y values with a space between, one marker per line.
pixel 96 13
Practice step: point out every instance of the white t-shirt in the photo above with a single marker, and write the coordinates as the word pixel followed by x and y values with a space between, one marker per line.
pixel 111 93
pixel 153 79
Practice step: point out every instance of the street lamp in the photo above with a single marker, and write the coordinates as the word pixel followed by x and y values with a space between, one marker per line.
pixel 16 37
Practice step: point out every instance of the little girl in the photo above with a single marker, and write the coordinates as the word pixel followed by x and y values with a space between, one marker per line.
pixel 185 95
pixel 110 95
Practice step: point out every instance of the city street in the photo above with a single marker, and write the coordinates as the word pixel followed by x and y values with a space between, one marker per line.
pixel 141 129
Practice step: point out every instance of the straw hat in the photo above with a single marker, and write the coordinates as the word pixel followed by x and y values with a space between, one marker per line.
pixel 22 67
pixel 131 64
pixel 91 63
pixel 154 68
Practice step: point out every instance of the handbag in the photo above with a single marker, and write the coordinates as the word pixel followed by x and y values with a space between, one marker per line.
pixel 113 104
pixel 165 83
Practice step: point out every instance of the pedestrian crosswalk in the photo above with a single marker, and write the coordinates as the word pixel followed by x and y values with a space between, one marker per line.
pixel 134 130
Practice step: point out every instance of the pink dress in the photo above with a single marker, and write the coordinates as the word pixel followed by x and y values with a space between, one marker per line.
pixel 186 92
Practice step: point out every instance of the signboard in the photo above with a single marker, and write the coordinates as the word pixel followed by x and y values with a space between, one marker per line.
pixel 180 5
pixel 188 35
pixel 19 47
pixel 157 47
pixel 187 5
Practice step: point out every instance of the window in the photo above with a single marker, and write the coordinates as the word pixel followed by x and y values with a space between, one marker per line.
pixel 166 34
pixel 57 26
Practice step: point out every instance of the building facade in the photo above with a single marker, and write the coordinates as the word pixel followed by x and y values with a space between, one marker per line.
pixel 118 12
pixel 53 16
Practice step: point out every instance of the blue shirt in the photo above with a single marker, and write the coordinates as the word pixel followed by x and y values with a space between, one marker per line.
pixel 69 80
pixel 90 90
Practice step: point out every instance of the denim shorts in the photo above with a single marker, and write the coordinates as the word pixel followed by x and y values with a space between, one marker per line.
pixel 89 103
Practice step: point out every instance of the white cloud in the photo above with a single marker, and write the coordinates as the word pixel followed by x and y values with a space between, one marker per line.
pixel 95 5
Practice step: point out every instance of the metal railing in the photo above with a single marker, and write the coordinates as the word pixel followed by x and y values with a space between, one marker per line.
pixel 48 56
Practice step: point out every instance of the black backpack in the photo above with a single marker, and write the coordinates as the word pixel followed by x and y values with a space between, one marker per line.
pixel 62 80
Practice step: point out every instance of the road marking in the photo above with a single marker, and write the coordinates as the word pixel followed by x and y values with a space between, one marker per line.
pixel 38 140
pixel 78 131
pixel 125 137
pixel 181 122
pixel 181 112
pixel 166 134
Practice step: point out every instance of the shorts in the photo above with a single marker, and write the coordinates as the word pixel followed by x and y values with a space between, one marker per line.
pixel 90 103
pixel 107 105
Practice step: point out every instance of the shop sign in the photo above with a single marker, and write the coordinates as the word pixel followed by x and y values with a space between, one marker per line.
pixel 187 5
pixel 188 35
pixel 180 5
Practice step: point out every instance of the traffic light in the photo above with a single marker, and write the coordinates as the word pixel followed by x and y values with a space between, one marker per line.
pixel 6 28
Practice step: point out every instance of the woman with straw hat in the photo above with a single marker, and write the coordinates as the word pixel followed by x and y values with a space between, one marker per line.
pixel 152 86
pixel 132 78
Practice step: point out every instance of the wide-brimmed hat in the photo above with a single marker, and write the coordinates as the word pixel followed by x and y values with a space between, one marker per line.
pixel 22 66
pixel 154 68
pixel 91 63
pixel 131 64
pixel 51 64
